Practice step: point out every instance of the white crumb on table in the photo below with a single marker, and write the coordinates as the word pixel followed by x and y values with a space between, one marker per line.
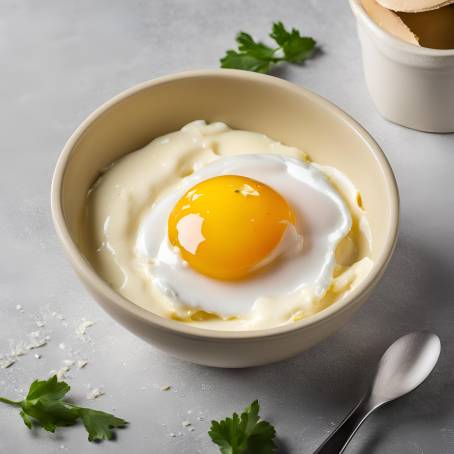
pixel 81 330
pixel 81 363
pixel 19 349
pixel 35 339
pixel 94 393
pixel 61 373
pixel 6 362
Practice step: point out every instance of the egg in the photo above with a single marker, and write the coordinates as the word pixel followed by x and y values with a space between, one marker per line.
pixel 228 226
pixel 241 229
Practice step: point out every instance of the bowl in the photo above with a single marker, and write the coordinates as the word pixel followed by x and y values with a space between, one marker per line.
pixel 410 85
pixel 247 101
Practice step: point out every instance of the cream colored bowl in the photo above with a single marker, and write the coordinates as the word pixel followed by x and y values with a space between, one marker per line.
pixel 247 101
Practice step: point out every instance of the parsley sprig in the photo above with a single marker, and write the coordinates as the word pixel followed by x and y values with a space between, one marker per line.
pixel 258 57
pixel 244 434
pixel 44 405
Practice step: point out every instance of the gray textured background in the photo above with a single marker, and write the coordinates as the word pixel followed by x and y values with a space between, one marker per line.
pixel 60 60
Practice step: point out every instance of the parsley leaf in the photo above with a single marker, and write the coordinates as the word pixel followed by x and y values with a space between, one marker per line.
pixel 51 389
pixel 44 405
pixel 296 48
pixel 256 56
pixel 50 414
pixel 258 50
pixel 27 420
pixel 251 55
pixel 244 434
pixel 242 60
pixel 99 424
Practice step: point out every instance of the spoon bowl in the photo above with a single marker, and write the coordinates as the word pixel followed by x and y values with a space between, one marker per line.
pixel 405 365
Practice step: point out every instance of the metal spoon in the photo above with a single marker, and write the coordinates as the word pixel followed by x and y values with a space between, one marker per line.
pixel 403 367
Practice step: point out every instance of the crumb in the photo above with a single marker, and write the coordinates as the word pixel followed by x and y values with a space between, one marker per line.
pixel 37 340
pixel 81 363
pixel 94 393
pixel 61 373
pixel 165 388
pixel 37 356
pixel 82 328
pixel 6 362
pixel 186 423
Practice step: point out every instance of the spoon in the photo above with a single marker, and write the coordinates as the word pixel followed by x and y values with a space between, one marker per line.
pixel 402 368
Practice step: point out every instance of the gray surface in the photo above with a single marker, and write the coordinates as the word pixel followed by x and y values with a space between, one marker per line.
pixel 59 61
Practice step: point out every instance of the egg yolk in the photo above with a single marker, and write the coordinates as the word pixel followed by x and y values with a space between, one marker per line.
pixel 224 227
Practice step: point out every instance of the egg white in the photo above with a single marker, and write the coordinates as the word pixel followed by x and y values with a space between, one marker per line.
pixel 297 267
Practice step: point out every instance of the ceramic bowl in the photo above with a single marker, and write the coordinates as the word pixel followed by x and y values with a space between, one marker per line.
pixel 410 85
pixel 247 101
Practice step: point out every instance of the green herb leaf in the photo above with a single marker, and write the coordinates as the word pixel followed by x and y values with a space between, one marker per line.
pixel 296 48
pixel 251 55
pixel 237 60
pixel 256 56
pixel 44 406
pixel 99 424
pixel 51 389
pixel 258 50
pixel 27 420
pixel 244 434
pixel 50 413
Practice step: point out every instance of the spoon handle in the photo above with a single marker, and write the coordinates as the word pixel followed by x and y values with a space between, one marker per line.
pixel 338 440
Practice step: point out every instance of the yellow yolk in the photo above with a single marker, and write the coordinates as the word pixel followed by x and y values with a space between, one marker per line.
pixel 226 226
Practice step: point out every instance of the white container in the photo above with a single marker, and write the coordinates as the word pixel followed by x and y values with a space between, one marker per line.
pixel 410 85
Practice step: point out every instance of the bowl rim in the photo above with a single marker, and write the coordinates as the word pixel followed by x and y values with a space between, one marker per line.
pixel 89 276
pixel 360 12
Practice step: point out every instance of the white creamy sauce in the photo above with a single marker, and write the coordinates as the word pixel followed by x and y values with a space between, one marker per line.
pixel 124 233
